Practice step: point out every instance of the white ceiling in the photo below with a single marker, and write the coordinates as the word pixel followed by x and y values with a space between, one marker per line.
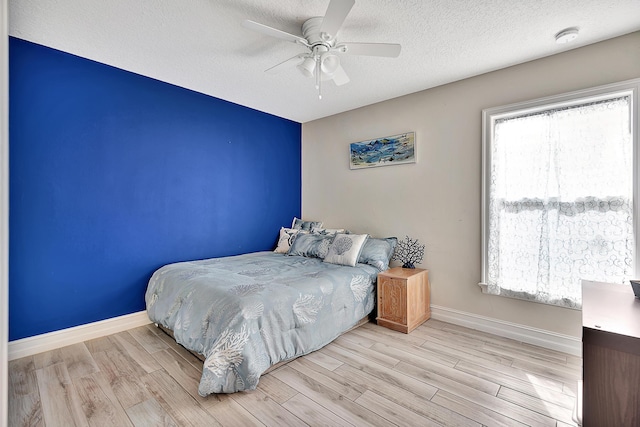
pixel 201 45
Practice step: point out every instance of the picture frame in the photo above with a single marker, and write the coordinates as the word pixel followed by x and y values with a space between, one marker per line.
pixel 389 150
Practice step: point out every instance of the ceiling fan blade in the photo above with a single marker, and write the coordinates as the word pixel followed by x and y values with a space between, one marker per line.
pixel 273 32
pixel 340 77
pixel 284 64
pixel 334 17
pixel 390 50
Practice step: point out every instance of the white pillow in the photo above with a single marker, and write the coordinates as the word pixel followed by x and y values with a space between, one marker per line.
pixel 346 249
pixel 287 236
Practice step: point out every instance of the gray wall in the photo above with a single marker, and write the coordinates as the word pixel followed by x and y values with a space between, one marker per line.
pixel 438 199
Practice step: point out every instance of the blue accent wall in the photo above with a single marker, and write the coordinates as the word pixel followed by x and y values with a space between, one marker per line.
pixel 113 175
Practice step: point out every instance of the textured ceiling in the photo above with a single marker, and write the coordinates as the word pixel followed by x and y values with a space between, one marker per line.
pixel 201 45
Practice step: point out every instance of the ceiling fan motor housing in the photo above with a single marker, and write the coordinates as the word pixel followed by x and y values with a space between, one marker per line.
pixel 311 32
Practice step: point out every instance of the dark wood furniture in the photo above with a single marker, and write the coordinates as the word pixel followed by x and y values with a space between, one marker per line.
pixel 403 298
pixel 611 355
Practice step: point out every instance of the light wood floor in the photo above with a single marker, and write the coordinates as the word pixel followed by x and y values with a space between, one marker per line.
pixel 440 374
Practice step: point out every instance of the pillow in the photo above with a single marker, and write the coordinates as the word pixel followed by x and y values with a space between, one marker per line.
pixel 299 224
pixel 346 249
pixel 286 239
pixel 311 245
pixel 378 252
pixel 326 231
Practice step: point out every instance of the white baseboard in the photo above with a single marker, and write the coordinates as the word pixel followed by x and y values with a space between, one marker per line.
pixel 52 340
pixel 56 339
pixel 547 339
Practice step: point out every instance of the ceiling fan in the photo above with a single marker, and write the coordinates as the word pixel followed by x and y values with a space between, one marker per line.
pixel 319 36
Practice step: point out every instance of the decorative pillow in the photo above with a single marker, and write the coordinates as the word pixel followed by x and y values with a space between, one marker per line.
pixel 311 245
pixel 346 249
pixel 299 224
pixel 286 239
pixel 326 231
pixel 378 252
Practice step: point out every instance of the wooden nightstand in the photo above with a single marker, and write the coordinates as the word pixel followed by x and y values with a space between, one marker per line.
pixel 403 298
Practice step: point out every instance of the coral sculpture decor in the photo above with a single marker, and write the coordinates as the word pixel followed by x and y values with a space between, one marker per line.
pixel 409 252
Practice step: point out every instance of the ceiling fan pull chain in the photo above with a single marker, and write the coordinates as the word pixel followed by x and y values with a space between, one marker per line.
pixel 318 72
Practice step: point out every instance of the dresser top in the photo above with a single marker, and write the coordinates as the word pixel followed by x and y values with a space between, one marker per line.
pixel 611 308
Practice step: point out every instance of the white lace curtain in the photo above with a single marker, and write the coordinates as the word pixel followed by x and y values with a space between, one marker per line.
pixel 560 206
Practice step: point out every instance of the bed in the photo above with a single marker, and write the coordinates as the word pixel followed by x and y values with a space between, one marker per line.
pixel 246 313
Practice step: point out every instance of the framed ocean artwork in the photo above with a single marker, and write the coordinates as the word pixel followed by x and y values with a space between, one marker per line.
pixel 390 150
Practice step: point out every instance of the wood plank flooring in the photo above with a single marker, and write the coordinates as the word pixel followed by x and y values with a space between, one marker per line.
pixel 439 375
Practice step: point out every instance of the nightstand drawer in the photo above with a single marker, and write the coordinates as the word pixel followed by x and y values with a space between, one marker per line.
pixel 392 303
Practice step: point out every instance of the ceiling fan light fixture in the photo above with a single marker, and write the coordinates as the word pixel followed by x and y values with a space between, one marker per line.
pixel 329 63
pixel 307 67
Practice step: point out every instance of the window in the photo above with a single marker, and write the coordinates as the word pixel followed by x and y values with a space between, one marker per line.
pixel 560 194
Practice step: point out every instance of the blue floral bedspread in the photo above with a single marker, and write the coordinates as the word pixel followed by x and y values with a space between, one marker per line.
pixel 245 313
